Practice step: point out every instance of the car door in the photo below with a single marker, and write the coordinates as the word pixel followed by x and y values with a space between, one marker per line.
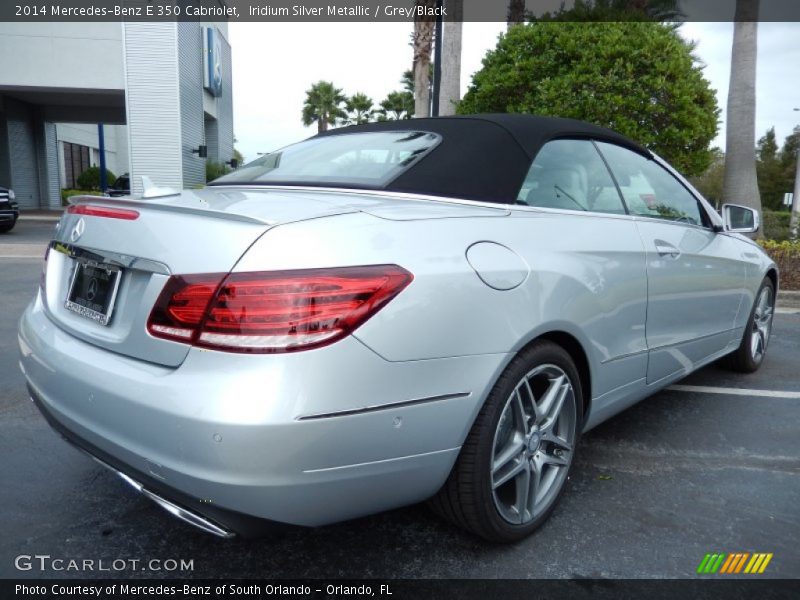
pixel 695 276
pixel 589 266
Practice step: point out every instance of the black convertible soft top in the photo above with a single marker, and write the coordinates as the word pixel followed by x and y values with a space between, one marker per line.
pixel 482 157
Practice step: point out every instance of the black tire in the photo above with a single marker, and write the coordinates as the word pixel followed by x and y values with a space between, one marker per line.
pixel 744 359
pixel 467 498
pixel 7 226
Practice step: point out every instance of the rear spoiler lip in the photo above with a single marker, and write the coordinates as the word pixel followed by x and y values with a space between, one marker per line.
pixel 170 208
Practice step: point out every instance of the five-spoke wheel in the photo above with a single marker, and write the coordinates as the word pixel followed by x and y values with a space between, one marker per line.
pixel 762 324
pixel 515 461
pixel 753 347
pixel 533 444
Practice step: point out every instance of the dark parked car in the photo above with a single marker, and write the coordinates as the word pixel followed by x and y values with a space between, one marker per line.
pixel 120 187
pixel 9 210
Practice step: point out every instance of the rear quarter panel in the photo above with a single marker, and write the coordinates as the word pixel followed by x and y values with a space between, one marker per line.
pixel 586 278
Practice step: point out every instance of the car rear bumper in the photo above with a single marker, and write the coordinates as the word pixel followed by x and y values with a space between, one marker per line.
pixel 307 439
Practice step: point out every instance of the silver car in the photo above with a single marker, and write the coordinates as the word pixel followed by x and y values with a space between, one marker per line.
pixel 432 309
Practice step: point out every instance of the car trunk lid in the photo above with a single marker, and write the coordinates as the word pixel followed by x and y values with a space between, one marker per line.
pixel 196 232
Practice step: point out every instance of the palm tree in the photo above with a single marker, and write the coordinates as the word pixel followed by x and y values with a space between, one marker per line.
pixel 450 92
pixel 516 13
pixel 397 106
pixel 741 183
pixel 323 105
pixel 422 41
pixel 359 108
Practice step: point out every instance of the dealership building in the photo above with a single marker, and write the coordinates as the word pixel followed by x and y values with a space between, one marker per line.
pixel 162 92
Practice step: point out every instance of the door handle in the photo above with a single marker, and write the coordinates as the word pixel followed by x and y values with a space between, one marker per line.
pixel 667 250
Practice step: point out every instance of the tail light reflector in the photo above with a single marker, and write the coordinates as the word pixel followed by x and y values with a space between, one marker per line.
pixel 277 311
pixel 103 211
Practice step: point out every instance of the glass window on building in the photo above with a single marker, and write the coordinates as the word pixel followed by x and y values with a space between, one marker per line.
pixel 76 161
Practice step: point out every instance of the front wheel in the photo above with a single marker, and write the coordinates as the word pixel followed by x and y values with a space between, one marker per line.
pixel 7 226
pixel 514 464
pixel 747 358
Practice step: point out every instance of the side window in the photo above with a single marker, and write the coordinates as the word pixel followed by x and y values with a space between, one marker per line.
pixel 649 189
pixel 570 174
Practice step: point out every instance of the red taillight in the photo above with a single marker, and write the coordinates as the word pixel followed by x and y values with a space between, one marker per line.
pixel 103 211
pixel 280 311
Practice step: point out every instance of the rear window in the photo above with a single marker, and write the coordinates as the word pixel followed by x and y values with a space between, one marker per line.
pixel 368 160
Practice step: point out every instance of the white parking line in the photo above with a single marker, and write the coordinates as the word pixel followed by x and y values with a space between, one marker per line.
pixel 22 250
pixel 735 391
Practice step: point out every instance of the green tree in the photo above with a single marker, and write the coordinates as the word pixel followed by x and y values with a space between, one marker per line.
pixel 788 154
pixel 515 13
pixel 616 10
pixel 323 105
pixel 360 109
pixel 408 81
pixel 397 106
pixel 638 78
pixel 710 182
pixel 768 167
pixel 787 159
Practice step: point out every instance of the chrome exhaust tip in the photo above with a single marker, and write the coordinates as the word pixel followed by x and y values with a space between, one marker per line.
pixel 179 512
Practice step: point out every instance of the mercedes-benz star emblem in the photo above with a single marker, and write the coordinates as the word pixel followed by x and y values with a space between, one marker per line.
pixel 92 291
pixel 77 231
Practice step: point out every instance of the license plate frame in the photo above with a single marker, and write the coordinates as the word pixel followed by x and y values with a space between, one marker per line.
pixel 93 281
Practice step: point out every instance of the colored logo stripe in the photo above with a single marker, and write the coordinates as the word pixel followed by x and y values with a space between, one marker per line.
pixel 711 563
pixel 758 563
pixel 723 563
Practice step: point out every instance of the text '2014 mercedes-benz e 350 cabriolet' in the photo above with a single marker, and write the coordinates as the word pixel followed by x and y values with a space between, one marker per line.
pixel 432 309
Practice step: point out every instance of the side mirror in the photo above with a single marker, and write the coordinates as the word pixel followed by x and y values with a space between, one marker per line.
pixel 740 219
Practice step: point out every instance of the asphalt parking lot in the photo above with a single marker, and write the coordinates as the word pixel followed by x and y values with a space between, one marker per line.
pixel 686 472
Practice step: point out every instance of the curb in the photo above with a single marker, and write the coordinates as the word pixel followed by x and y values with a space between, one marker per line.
pixel 41 214
pixel 788 299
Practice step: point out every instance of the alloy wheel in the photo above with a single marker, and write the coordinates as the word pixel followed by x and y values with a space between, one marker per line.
pixel 762 324
pixel 533 444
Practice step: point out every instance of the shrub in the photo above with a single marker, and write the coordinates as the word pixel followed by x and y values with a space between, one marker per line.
pixel 90 178
pixel 216 169
pixel 67 194
pixel 786 255
pixel 776 224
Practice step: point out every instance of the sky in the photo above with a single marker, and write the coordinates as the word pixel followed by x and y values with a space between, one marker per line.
pixel 275 63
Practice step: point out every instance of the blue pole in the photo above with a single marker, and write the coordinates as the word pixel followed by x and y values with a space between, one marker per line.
pixel 102 143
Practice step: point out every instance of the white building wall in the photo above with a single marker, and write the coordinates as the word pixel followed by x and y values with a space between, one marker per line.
pixel 190 38
pixel 54 64
pixel 62 55
pixel 153 103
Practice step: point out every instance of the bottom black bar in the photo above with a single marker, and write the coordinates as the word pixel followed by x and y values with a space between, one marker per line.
pixel 400 589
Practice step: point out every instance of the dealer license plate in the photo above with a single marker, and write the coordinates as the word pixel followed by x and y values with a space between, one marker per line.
pixel 93 291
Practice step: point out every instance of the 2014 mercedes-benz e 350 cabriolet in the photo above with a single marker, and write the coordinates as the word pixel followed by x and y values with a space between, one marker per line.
pixel 432 309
